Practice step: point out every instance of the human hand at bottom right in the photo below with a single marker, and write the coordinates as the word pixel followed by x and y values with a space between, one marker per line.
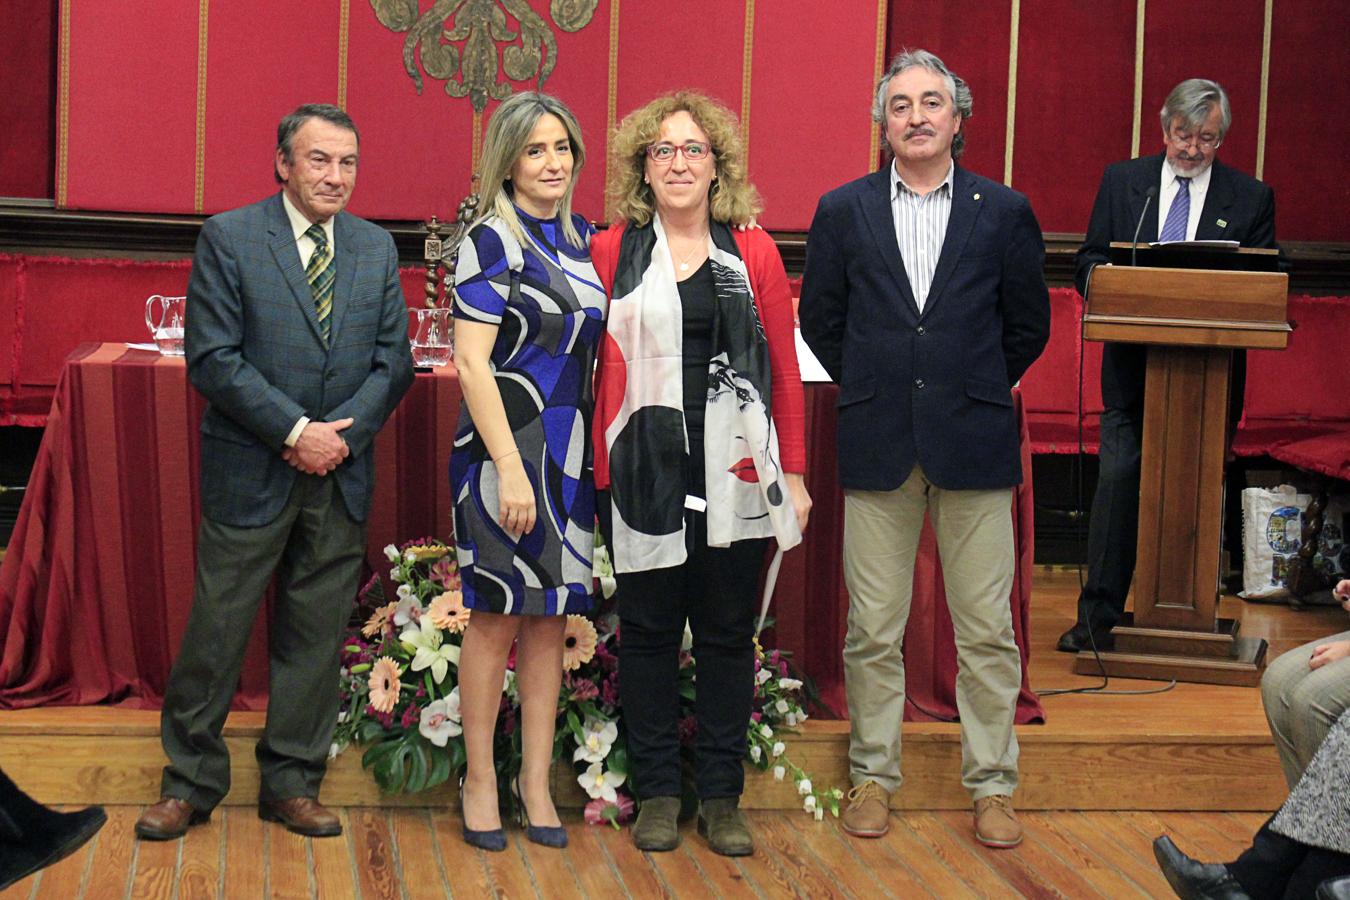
pixel 1324 654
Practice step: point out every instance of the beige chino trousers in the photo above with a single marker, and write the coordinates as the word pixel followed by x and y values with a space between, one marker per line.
pixel 975 543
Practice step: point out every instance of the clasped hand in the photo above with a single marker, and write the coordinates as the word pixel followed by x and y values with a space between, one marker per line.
pixel 320 448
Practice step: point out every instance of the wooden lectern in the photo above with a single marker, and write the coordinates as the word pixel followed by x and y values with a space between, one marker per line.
pixel 1192 320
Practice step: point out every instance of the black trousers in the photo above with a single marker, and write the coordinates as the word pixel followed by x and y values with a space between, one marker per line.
pixel 1113 528
pixel 715 590
pixel 1276 867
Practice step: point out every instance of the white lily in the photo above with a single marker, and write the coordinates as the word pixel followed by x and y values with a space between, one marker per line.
pixel 599 783
pixel 597 737
pixel 427 644
pixel 409 609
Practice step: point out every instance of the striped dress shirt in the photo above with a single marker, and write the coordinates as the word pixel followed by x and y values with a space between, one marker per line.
pixel 920 227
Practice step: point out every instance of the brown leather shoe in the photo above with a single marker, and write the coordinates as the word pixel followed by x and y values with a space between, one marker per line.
pixel 168 819
pixel 303 815
pixel 869 810
pixel 996 824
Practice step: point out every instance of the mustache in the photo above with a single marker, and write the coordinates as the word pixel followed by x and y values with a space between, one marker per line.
pixel 922 129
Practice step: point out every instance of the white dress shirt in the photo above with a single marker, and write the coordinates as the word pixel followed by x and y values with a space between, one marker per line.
pixel 920 228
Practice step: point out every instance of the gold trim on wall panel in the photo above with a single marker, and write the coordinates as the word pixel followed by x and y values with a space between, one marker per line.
pixel 1138 77
pixel 1012 91
pixel 63 107
pixel 874 145
pixel 199 181
pixel 1265 89
pixel 477 153
pixel 746 62
pixel 612 98
pixel 344 34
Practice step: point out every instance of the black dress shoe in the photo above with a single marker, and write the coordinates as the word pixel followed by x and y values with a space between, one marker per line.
pixel 1192 879
pixel 1334 889
pixel 1077 639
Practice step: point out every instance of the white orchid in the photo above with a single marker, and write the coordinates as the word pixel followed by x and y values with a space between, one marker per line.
pixel 408 611
pixel 391 553
pixel 598 783
pixel 427 644
pixel 441 719
pixel 597 737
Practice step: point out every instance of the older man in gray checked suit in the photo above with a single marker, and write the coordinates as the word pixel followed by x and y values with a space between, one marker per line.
pixel 297 337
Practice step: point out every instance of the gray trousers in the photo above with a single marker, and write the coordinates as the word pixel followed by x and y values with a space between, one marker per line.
pixel 975 542
pixel 1303 703
pixel 316 550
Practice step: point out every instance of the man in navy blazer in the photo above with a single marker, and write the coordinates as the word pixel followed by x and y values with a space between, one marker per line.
pixel 297 336
pixel 1203 200
pixel 924 299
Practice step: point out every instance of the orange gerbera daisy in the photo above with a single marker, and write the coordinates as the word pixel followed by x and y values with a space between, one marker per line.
pixel 384 684
pixel 378 619
pixel 578 643
pixel 448 611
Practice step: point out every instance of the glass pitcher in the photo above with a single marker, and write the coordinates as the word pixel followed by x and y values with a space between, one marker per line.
pixel 164 316
pixel 431 338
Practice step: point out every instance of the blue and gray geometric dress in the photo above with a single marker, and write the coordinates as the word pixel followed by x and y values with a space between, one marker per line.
pixel 549 307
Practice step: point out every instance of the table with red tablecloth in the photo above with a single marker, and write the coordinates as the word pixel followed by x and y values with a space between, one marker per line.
pixel 97 581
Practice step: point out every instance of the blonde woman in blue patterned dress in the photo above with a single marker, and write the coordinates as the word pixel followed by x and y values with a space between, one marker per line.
pixel 529 312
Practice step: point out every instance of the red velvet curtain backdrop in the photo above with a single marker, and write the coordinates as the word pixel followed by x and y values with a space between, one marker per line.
pixel 27 97
pixel 183 107
pixel 1070 92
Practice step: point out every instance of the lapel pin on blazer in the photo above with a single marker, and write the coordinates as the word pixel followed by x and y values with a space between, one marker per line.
pixel 976 197
pixel 1222 223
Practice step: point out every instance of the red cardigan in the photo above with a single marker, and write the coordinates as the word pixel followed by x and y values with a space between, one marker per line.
pixel 773 301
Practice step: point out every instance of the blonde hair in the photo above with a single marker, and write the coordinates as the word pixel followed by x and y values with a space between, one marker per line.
pixel 508 133
pixel 731 198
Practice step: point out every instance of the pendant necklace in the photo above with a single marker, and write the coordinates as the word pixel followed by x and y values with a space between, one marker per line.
pixel 684 263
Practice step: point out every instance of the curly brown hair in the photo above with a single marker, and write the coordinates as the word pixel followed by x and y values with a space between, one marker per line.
pixel 731 198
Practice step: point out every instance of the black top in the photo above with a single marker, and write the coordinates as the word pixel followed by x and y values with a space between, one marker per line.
pixel 698 296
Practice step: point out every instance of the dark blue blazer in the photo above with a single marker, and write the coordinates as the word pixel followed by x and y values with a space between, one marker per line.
pixel 255 352
pixel 1237 208
pixel 932 389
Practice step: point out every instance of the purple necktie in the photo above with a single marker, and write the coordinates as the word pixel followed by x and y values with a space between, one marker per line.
pixel 1174 229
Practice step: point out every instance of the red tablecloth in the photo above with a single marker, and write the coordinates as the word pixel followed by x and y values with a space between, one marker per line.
pixel 97 581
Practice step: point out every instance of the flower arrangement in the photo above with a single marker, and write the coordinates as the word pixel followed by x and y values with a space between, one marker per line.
pixel 400 695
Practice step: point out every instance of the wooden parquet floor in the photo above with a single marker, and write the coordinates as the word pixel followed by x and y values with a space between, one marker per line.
pixel 418 854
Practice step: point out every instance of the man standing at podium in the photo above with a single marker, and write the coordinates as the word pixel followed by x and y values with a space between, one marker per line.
pixel 924 299
pixel 1181 194
pixel 297 336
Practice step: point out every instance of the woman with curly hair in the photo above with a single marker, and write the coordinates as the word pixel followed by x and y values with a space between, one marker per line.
pixel 699 441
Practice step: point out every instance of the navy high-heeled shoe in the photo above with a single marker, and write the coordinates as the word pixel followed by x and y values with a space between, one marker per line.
pixel 492 839
pixel 546 835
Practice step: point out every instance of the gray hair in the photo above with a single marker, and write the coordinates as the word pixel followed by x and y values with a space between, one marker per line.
pixel 957 89
pixel 291 123
pixel 1192 101
pixel 508 133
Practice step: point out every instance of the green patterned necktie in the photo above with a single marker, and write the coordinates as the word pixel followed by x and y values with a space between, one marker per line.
pixel 320 274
